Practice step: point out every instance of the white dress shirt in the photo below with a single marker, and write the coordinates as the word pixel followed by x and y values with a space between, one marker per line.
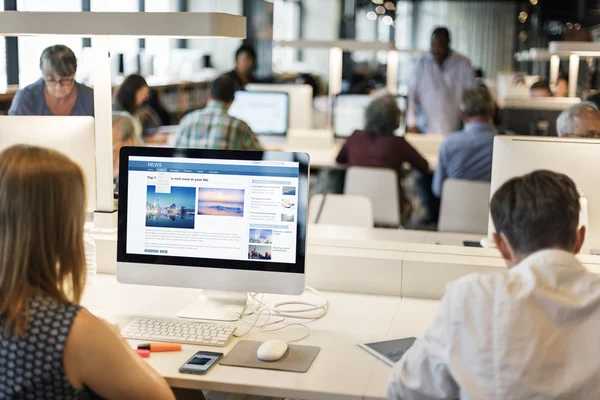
pixel 532 332
pixel 434 92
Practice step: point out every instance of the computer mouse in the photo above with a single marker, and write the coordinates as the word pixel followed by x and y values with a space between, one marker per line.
pixel 272 350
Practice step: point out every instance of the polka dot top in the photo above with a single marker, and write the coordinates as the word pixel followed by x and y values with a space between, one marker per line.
pixel 31 366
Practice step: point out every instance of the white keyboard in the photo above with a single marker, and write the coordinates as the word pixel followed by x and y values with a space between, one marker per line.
pixel 178 331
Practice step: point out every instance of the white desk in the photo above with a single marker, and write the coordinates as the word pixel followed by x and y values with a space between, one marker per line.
pixel 340 371
pixel 318 232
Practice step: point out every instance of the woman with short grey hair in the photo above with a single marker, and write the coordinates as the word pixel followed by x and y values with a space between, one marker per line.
pixel 378 146
pixel 56 92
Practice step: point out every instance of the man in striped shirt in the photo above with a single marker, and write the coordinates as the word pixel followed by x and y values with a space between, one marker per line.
pixel 212 127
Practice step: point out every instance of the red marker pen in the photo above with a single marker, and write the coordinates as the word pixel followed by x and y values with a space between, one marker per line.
pixel 160 347
pixel 143 353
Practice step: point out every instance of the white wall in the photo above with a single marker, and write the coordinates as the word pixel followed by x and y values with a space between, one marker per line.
pixel 222 51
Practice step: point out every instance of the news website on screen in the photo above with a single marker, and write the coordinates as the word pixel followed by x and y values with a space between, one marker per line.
pixel 206 208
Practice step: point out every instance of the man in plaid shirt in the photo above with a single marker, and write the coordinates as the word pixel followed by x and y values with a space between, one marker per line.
pixel 212 127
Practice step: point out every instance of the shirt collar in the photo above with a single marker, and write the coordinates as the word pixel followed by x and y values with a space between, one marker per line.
pixel 446 61
pixel 216 106
pixel 478 127
pixel 550 257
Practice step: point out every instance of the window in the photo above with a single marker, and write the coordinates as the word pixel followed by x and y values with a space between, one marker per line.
pixel 286 26
pixel 159 45
pixel 30 48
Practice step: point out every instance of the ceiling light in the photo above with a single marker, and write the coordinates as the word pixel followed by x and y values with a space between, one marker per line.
pixel 387 20
pixel 377 1
pixel 380 10
pixel 533 2
pixel 523 17
pixel 389 5
pixel 371 16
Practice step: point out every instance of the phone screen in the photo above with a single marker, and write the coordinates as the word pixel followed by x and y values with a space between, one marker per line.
pixel 201 362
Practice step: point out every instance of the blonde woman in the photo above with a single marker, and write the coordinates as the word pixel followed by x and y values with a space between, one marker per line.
pixel 50 347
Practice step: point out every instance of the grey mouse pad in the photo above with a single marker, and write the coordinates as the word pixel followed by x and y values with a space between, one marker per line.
pixel 297 359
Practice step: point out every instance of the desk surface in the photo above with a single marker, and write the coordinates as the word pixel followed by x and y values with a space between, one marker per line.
pixel 317 232
pixel 341 370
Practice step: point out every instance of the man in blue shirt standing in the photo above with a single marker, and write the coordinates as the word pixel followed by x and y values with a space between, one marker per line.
pixel 467 154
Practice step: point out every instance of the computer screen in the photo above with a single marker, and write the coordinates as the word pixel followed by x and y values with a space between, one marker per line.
pixel 518 155
pixel 265 112
pixel 301 101
pixel 72 136
pixel 349 113
pixel 217 210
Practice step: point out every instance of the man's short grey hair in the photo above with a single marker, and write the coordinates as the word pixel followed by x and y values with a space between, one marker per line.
pixel 477 102
pixel 382 115
pixel 127 129
pixel 59 60
pixel 564 122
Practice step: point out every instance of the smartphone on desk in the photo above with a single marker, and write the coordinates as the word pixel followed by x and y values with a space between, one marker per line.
pixel 200 363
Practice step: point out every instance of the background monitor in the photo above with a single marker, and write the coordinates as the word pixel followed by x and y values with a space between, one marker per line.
pixel 72 136
pixel 267 113
pixel 534 116
pixel 576 158
pixel 349 113
pixel 222 220
pixel 301 101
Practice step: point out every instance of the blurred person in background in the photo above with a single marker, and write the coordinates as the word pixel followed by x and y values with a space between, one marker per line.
pixel 579 121
pixel 56 92
pixel 540 88
pixel 245 63
pixel 130 97
pixel 378 146
pixel 436 85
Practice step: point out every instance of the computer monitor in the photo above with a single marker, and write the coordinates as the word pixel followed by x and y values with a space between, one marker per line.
pixel 534 116
pixel 349 113
pixel 267 113
pixel 576 158
pixel 301 101
pixel 72 136
pixel 220 220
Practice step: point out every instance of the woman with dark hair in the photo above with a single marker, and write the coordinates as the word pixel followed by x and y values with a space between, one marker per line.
pixel 377 146
pixel 130 97
pixel 245 63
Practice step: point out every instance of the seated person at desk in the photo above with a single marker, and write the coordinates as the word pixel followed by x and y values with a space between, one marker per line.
pixel 245 62
pixel 377 146
pixel 579 121
pixel 528 333
pixel 540 88
pixel 57 92
pixel 130 97
pixel 467 154
pixel 212 127
pixel 51 347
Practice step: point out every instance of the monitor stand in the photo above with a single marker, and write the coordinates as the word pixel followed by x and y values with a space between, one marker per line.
pixel 216 306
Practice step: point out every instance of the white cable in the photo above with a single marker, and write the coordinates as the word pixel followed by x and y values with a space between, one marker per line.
pixel 316 312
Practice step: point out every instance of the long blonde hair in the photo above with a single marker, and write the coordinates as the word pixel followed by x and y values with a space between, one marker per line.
pixel 42 216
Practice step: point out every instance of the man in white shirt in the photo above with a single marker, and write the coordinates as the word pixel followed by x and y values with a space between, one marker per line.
pixel 532 332
pixel 436 86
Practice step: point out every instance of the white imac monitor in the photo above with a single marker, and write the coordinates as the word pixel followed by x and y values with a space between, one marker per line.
pixel 267 113
pixel 577 158
pixel 232 221
pixel 72 136
pixel 349 113
pixel 301 101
